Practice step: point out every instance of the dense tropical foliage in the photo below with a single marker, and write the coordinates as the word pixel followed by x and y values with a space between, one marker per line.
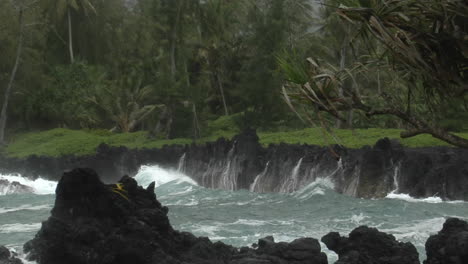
pixel 174 67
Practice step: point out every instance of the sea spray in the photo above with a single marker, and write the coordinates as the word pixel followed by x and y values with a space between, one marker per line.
pixel 181 163
pixel 38 186
pixel 149 174
pixel 255 186
pixel 290 183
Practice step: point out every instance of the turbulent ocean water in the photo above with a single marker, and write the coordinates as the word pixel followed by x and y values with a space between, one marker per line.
pixel 240 218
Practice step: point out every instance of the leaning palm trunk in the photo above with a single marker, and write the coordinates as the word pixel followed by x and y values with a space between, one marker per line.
pixel 70 37
pixel 221 90
pixel 3 114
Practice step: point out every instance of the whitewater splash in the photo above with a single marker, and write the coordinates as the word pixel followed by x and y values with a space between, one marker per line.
pixel 11 184
pixel 290 184
pixel 316 187
pixel 148 174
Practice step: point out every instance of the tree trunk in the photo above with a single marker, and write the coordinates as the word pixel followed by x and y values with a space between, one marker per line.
pixel 419 126
pixel 161 122
pixel 3 114
pixel 196 126
pixel 174 39
pixel 70 38
pixel 379 87
pixel 221 90
pixel 339 123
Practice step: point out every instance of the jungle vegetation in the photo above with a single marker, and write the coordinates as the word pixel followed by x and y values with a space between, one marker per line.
pixel 173 68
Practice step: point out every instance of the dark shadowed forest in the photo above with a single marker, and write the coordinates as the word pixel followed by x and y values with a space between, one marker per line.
pixel 174 68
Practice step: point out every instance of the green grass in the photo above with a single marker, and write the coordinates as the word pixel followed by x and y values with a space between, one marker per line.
pixel 350 138
pixel 57 142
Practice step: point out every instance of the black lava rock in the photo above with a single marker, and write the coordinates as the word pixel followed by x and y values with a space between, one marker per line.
pixel 92 222
pixel 450 245
pixel 7 257
pixel 369 246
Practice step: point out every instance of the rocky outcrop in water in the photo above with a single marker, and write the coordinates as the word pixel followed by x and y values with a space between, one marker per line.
pixel 92 222
pixel 450 245
pixel 369 246
pixel 7 187
pixel 7 257
pixel 242 163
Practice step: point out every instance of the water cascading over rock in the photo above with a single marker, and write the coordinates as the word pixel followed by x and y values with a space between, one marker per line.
pixel 243 163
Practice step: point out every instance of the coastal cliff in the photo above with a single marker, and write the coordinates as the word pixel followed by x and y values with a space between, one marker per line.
pixel 243 163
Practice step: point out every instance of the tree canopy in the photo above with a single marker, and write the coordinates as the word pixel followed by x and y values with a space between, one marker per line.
pixel 173 67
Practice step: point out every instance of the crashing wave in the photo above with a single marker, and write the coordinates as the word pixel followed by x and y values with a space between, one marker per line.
pixel 11 184
pixel 148 174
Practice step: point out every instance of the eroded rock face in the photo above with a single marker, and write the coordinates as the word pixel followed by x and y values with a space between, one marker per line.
pixel 92 222
pixel 7 257
pixel 369 246
pixel 368 172
pixel 450 245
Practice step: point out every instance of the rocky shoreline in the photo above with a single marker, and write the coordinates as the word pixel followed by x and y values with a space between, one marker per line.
pixel 242 163
pixel 93 222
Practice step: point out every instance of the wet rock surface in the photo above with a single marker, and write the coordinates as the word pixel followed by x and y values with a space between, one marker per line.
pixel 7 257
pixel 450 245
pixel 368 172
pixel 92 222
pixel 369 246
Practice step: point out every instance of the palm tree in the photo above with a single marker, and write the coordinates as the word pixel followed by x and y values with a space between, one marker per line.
pixel 62 8
pixel 3 114
pixel 215 17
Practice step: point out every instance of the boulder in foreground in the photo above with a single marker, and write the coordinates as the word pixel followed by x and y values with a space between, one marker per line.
pixel 7 257
pixel 450 245
pixel 369 246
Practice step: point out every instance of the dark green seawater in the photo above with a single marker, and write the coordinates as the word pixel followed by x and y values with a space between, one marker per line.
pixel 240 218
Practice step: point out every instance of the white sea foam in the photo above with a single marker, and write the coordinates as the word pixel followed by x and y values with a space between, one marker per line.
pixel 26 207
pixel 408 198
pixel 39 186
pixel 417 231
pixel 148 174
pixel 316 187
pixel 19 228
pixel 18 249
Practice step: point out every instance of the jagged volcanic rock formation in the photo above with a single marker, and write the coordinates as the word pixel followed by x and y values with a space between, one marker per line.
pixel 450 245
pixel 242 163
pixel 92 222
pixel 369 246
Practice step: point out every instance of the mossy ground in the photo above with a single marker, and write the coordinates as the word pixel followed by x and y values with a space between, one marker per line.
pixel 57 142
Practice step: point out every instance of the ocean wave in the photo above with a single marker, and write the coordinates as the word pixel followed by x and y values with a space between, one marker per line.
pixel 26 207
pixel 408 198
pixel 38 186
pixel 19 228
pixel 316 187
pixel 148 174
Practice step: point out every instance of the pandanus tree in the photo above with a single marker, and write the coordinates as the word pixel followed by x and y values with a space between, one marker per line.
pixel 61 10
pixel 424 42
